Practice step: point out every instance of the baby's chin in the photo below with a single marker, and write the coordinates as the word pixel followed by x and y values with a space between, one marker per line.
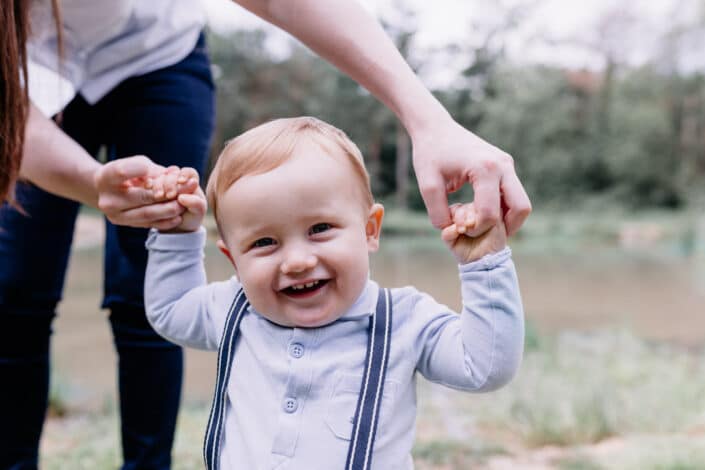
pixel 305 319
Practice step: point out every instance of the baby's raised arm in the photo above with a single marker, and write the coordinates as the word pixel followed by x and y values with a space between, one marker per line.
pixel 178 300
pixel 480 349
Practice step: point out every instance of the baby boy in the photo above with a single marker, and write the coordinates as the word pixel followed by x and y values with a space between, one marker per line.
pixel 317 363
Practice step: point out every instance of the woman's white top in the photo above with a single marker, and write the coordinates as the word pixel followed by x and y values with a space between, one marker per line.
pixel 105 42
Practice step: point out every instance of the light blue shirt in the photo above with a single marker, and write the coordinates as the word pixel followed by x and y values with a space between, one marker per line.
pixel 293 391
pixel 105 42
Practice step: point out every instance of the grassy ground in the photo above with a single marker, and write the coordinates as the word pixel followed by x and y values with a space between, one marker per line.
pixel 581 401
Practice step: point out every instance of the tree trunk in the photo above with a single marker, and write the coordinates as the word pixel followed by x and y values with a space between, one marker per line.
pixel 402 168
pixel 374 161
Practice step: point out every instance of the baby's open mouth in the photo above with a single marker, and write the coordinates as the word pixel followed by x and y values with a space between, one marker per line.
pixel 300 290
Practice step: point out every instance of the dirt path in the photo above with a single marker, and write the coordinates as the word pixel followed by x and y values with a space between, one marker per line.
pixel 89 232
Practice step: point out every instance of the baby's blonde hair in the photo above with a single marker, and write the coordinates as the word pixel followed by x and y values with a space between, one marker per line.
pixel 269 145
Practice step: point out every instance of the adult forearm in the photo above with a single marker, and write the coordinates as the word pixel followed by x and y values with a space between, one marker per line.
pixel 445 155
pixel 346 35
pixel 56 163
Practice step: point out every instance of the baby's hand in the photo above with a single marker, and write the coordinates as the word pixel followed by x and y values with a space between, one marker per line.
pixel 172 182
pixel 467 249
pixel 182 184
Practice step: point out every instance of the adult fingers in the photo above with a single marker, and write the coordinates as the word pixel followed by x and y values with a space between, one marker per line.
pixel 118 171
pixel 516 201
pixel 117 201
pixel 120 184
pixel 433 192
pixel 168 224
pixel 147 216
pixel 486 202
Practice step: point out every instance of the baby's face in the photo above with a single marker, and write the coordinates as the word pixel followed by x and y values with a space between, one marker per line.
pixel 299 237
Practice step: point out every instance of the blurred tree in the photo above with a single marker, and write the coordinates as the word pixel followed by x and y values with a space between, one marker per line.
pixel 623 135
pixel 402 30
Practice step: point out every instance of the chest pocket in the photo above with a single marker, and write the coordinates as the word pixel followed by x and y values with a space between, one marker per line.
pixel 340 411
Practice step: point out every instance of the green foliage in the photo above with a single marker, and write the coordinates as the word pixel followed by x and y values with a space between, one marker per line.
pixel 626 137
pixel 252 87
pixel 568 145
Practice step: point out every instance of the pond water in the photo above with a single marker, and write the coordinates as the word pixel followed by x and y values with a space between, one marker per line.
pixel 658 293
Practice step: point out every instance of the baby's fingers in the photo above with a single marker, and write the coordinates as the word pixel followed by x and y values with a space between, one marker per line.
pixel 162 184
pixel 464 217
pixel 450 233
pixel 194 203
pixel 170 182
pixel 186 174
pixel 187 181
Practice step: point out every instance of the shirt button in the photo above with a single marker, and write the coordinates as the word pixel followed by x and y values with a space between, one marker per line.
pixel 290 405
pixel 296 350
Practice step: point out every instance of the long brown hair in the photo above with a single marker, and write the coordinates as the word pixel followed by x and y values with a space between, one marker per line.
pixel 14 95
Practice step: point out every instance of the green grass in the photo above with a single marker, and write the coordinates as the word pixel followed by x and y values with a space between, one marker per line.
pixel 582 388
pixel 661 452
pixel 454 453
pixel 578 462
pixel 58 396
pixel 574 391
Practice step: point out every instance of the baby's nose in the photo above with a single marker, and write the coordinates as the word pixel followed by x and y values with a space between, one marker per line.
pixel 298 262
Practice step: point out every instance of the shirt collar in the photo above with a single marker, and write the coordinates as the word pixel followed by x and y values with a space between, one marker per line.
pixel 365 304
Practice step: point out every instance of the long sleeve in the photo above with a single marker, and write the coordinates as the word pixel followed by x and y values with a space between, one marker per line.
pixel 481 349
pixel 179 304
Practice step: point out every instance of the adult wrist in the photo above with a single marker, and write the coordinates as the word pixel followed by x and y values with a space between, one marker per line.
pixel 424 116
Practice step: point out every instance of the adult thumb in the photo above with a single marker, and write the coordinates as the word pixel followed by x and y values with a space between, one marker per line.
pixel 435 198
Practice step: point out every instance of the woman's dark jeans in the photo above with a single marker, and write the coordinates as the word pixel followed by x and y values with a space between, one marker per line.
pixel 167 115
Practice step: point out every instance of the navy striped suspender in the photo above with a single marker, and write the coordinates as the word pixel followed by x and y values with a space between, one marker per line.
pixel 371 388
pixel 226 350
pixel 370 398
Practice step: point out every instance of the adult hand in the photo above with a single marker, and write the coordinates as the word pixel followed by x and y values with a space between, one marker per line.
pixel 126 199
pixel 466 248
pixel 447 156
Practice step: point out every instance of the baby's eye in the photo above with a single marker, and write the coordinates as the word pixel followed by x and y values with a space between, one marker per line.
pixel 267 241
pixel 318 228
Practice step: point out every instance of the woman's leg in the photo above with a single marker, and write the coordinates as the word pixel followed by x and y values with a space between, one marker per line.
pixel 34 251
pixel 168 116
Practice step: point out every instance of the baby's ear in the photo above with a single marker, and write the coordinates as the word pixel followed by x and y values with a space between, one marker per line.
pixel 224 249
pixel 373 228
